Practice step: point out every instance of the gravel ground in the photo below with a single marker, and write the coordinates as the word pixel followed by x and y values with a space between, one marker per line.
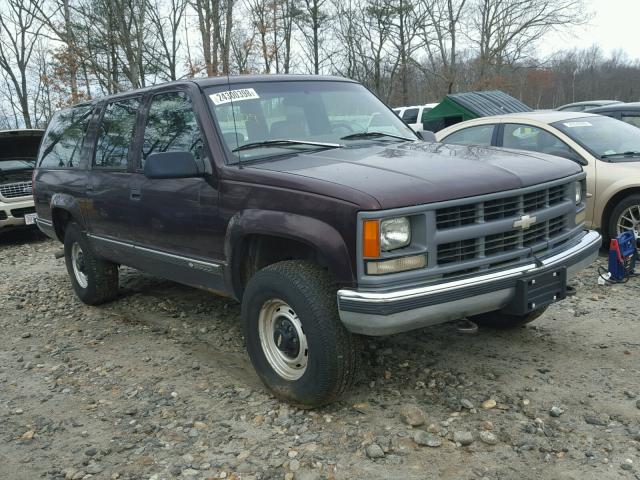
pixel 157 385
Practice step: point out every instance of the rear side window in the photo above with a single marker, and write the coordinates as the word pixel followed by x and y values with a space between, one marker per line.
pixel 631 118
pixel 63 141
pixel 478 135
pixel 115 134
pixel 410 115
pixel 171 126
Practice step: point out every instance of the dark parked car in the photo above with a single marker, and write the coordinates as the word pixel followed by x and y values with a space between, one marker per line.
pixel 272 190
pixel 582 106
pixel 18 152
pixel 627 112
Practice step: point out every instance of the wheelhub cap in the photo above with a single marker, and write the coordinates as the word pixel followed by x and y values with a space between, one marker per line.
pixel 630 220
pixel 282 339
pixel 79 268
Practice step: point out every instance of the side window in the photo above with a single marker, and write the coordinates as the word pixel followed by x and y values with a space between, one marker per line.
pixel 631 118
pixel 526 137
pixel 478 135
pixel 63 142
pixel 116 133
pixel 410 115
pixel 171 126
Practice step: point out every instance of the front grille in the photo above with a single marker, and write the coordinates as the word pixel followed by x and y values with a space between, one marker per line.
pixel 489 250
pixel 21 212
pixel 14 190
pixel 497 209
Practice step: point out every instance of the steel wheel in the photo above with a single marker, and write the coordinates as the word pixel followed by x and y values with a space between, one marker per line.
pixel 282 339
pixel 77 261
pixel 629 219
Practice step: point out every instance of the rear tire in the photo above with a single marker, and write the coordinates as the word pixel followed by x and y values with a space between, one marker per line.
pixel 294 336
pixel 503 321
pixel 93 279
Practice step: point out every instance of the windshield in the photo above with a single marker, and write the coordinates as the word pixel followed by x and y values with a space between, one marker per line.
pixel 604 137
pixel 316 115
pixel 17 164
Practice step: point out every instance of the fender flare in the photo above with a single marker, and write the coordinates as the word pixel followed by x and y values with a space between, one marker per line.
pixel 69 204
pixel 317 234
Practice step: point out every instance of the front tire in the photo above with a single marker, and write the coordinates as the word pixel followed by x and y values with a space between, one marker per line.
pixel 294 336
pixel 503 321
pixel 625 216
pixel 93 279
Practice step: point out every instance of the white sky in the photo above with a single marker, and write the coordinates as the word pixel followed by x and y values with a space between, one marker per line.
pixel 615 25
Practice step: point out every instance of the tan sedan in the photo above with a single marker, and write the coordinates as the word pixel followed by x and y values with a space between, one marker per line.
pixel 608 150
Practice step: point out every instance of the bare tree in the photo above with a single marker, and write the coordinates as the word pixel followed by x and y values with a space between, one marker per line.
pixel 507 29
pixel 166 18
pixel 19 31
pixel 312 18
pixel 440 38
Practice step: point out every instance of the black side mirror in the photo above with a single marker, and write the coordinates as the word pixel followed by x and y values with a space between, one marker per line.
pixel 427 135
pixel 171 165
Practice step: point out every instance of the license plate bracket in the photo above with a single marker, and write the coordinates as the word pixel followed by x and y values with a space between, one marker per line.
pixel 538 290
pixel 30 218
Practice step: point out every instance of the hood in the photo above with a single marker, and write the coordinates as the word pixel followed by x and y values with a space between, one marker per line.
pixel 19 144
pixel 418 172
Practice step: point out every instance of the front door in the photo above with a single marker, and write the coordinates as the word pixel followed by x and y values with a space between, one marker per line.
pixel 178 233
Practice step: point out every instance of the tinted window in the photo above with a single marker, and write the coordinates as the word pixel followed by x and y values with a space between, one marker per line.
pixel 479 135
pixel 632 119
pixel 63 141
pixel 171 126
pixel 410 115
pixel 526 137
pixel 115 134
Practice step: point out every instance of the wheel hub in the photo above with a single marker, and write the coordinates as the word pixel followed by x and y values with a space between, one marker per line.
pixel 282 339
pixel 286 338
pixel 79 265
pixel 629 220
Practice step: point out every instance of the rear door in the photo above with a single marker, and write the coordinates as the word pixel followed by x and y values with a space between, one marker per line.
pixel 108 184
pixel 176 222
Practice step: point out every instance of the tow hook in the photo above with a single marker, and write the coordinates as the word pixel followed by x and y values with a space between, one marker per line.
pixel 467 327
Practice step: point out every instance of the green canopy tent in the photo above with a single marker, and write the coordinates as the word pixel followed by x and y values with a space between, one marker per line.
pixel 458 107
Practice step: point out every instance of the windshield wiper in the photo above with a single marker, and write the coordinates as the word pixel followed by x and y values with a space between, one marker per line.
pixel 355 136
pixel 621 154
pixel 284 143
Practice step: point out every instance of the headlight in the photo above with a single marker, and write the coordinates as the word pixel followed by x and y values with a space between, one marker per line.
pixel 395 233
pixel 578 193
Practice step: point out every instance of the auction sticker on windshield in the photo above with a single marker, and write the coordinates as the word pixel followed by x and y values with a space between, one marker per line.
pixel 577 124
pixel 233 96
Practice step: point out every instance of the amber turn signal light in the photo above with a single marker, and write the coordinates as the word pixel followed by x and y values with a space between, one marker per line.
pixel 371 238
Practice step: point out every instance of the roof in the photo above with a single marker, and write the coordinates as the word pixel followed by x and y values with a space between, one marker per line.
pixel 615 107
pixel 490 102
pixel 546 116
pixel 205 82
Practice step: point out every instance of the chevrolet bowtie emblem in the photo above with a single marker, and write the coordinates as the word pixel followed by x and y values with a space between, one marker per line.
pixel 525 222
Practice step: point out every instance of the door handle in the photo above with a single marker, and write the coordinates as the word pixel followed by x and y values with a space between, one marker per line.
pixel 135 194
pixel 89 187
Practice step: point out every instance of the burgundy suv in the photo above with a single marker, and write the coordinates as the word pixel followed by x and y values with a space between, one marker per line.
pixel 279 192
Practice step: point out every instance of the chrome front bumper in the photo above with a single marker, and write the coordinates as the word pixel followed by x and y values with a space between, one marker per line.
pixel 385 313
pixel 7 220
